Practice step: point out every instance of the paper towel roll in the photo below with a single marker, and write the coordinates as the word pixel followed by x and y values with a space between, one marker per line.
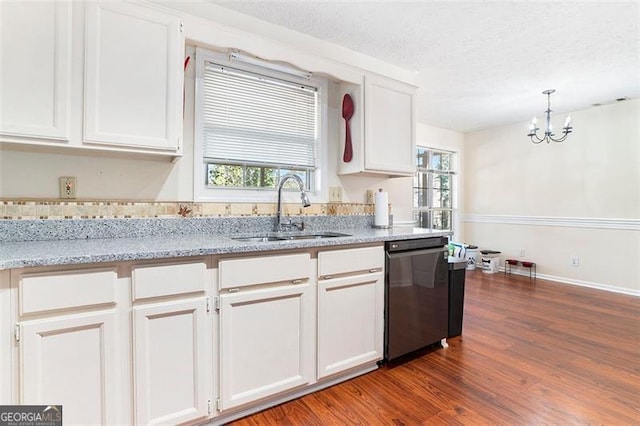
pixel 381 218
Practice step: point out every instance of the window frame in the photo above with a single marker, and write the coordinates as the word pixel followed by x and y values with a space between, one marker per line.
pixel 203 192
pixel 430 174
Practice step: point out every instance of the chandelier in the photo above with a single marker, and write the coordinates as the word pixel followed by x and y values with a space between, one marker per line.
pixel 548 131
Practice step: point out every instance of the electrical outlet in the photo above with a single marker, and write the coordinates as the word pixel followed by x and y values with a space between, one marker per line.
pixel 68 187
pixel 521 252
pixel 575 261
pixel 335 194
pixel 371 197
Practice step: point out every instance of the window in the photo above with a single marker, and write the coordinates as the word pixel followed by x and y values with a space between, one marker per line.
pixel 253 126
pixel 432 189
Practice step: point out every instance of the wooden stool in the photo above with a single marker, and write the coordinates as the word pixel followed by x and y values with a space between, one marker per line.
pixel 509 263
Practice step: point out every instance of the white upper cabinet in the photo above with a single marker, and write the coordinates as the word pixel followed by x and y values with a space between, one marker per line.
pixel 35 68
pixel 133 77
pixel 389 117
pixel 382 128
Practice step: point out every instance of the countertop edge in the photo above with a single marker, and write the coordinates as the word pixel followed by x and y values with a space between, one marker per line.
pixel 15 255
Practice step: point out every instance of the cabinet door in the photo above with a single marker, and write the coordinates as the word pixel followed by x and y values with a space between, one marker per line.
pixel 389 126
pixel 35 41
pixel 266 342
pixel 6 340
pixel 171 366
pixel 71 360
pixel 134 74
pixel 350 322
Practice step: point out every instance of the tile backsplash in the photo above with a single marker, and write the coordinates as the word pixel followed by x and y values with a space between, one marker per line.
pixel 56 209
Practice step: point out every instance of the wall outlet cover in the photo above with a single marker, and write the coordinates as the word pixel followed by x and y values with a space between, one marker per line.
pixel 335 194
pixel 371 196
pixel 67 187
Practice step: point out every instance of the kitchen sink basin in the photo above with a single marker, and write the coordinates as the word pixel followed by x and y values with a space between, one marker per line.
pixel 262 238
pixel 316 236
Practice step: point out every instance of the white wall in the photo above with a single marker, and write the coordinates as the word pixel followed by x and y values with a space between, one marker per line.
pixel 577 198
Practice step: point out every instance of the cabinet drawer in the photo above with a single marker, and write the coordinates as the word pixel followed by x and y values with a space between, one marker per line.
pixel 246 271
pixel 168 279
pixel 64 290
pixel 350 260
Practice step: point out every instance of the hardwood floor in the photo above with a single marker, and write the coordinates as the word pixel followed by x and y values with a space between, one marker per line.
pixel 542 353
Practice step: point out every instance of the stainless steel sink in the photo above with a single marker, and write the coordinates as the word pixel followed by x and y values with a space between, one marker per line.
pixel 316 236
pixel 262 238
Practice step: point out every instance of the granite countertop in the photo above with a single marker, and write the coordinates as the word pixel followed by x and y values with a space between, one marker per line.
pixel 22 254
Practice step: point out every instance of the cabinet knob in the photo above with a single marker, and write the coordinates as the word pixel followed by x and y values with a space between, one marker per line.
pixel 373 270
pixel 296 281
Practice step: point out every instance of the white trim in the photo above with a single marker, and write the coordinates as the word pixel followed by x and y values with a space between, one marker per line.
pixel 568 222
pixel 581 283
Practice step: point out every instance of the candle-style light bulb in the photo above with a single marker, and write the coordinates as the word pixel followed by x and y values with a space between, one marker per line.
pixel 567 121
pixel 534 121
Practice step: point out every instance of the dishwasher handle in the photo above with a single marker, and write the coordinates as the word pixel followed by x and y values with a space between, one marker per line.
pixel 409 253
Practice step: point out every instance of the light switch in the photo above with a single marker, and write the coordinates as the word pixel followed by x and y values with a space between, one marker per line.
pixel 335 194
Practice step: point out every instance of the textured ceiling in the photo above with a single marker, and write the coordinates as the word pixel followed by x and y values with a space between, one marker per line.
pixel 483 63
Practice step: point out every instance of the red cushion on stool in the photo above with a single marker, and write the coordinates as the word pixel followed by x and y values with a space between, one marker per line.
pixel 528 264
pixel 512 262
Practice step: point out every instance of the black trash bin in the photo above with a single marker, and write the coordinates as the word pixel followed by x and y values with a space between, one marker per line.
pixel 456 296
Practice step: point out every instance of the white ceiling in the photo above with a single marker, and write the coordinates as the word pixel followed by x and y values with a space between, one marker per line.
pixel 483 63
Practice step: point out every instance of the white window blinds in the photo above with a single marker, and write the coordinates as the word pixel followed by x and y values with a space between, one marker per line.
pixel 253 119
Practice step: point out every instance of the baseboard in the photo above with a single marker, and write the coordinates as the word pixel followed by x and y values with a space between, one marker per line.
pixel 581 283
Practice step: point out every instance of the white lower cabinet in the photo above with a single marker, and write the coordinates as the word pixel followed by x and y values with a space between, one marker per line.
pixel 114 344
pixel 69 340
pixel 172 354
pixel 171 366
pixel 6 340
pixel 266 343
pixel 141 343
pixel 266 333
pixel 71 360
pixel 350 309
pixel 348 317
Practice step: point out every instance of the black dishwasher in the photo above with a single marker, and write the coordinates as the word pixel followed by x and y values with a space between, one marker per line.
pixel 416 295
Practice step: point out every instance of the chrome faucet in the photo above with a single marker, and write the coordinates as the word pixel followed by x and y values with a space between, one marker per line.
pixel 280 225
